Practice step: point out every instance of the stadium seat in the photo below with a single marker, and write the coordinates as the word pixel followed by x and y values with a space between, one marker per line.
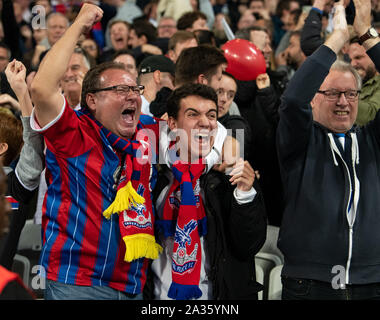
pixel 21 266
pixel 29 247
pixel 270 245
pixel 30 238
pixel 260 279
pixel 266 261
pixel 275 285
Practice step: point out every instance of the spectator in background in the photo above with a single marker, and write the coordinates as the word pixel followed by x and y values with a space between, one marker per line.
pixel 167 26
pixel 119 35
pixel 226 94
pixel 126 57
pixel 281 19
pixel 180 41
pixel 71 82
pixel 5 56
pixel 56 24
pixel 293 54
pixel 370 93
pixel 91 48
pixel 200 64
pixel 194 20
pixel 258 102
pixel 12 287
pixel 205 37
pixel 142 40
pixel 155 73
pixel 23 180
pixel 246 20
pixel 295 23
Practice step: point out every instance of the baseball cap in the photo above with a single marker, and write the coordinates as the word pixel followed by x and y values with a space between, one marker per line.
pixel 156 62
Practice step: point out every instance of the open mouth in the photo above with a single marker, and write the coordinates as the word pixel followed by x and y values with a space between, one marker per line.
pixel 119 40
pixel 202 137
pixel 128 115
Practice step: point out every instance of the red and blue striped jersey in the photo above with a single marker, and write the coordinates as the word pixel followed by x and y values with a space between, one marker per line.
pixel 80 246
pixel 13 202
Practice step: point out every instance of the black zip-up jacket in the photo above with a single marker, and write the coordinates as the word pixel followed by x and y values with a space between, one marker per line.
pixel 235 233
pixel 316 234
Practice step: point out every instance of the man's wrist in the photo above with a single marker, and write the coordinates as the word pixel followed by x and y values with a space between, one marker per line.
pixel 368 44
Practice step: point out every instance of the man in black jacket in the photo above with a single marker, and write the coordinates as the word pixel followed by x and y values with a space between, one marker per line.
pixel 238 126
pixel 234 211
pixel 329 233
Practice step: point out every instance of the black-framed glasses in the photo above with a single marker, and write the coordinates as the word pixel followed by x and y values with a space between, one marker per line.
pixel 334 95
pixel 122 89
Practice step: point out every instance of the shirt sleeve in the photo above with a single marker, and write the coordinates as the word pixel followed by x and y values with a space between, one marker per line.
pixel 243 197
pixel 69 134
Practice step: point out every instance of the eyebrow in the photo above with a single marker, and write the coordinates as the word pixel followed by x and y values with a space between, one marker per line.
pixel 192 109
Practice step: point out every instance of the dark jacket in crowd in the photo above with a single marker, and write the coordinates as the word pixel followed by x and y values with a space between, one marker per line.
pixel 27 201
pixel 234 123
pixel 317 233
pixel 260 108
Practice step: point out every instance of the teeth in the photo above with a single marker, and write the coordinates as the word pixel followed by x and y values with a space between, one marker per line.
pixel 341 113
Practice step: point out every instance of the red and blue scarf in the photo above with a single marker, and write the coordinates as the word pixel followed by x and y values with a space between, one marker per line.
pixel 136 218
pixel 184 218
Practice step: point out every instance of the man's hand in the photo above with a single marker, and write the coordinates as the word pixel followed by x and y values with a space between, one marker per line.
pixel 362 20
pixel 243 175
pixel 340 35
pixel 16 73
pixel 6 99
pixel 263 81
pixel 88 15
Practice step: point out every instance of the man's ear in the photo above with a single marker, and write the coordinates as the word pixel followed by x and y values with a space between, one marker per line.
pixel 202 79
pixel 3 148
pixel 91 101
pixel 157 76
pixel 312 103
pixel 172 123
pixel 171 54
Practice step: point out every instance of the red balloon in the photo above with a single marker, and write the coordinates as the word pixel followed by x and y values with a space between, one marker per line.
pixel 245 60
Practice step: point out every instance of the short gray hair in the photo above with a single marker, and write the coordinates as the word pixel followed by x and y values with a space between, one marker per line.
pixel 342 66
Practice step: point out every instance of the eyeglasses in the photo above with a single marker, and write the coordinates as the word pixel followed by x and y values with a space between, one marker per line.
pixel 89 47
pixel 334 95
pixel 230 93
pixel 166 26
pixel 122 89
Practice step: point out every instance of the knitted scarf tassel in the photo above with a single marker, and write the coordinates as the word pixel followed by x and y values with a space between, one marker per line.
pixel 137 245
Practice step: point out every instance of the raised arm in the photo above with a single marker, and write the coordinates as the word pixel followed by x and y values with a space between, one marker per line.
pixel 16 75
pixel 31 162
pixel 295 111
pixel 45 89
pixel 362 23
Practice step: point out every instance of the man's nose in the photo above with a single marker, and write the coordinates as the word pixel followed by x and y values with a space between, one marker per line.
pixel 342 99
pixel 203 121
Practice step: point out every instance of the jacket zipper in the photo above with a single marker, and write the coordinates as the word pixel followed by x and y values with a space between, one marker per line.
pixel 350 230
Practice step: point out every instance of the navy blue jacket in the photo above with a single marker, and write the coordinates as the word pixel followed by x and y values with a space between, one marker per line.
pixel 316 233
